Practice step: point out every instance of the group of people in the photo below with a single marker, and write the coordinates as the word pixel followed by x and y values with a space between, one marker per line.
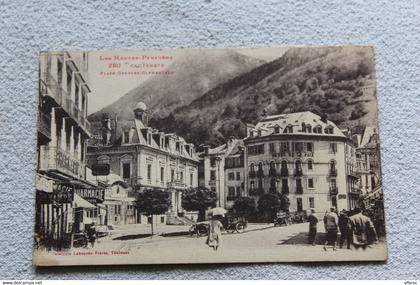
pixel 353 226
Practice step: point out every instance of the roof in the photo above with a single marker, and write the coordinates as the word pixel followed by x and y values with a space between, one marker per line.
pixel 369 138
pixel 231 147
pixel 300 123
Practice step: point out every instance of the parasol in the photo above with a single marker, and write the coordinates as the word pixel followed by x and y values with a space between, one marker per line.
pixel 218 211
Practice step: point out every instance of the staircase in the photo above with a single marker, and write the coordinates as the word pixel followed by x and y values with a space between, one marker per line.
pixel 173 219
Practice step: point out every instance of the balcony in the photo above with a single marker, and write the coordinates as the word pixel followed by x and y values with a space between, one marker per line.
pixel 284 172
pixel 176 183
pixel 298 172
pixel 44 124
pixel 51 88
pixel 299 189
pixel 55 159
pixel 333 172
pixel 333 190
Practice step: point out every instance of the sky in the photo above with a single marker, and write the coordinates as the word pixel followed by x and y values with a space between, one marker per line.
pixel 107 86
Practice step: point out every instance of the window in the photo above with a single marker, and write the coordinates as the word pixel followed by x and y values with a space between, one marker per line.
pixel 284 147
pixel 260 184
pixel 333 147
pixel 213 189
pixel 276 129
pixel 256 149
pixel 299 206
pixel 126 170
pixel 329 130
pixel 288 129
pixel 238 176
pixel 231 176
pixel 310 165
pixel 272 148
pixel 311 202
pixel 308 128
pixel 162 220
pixel 334 201
pixel 191 179
pixel 284 164
pixel 238 191
pixel 126 137
pixel 317 130
pixel 231 191
pixel 309 147
pixel 213 175
pixel 149 172
pixel 181 175
pixel 297 146
pixel 252 185
pixel 310 183
pixel 298 165
pixel 172 175
pixel 333 183
pixel 162 173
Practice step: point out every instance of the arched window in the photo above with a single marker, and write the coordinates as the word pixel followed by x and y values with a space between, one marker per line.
pixel 260 166
pixel 317 129
pixel 284 164
pixel 272 165
pixel 276 129
pixel 272 171
pixel 252 167
pixel 298 165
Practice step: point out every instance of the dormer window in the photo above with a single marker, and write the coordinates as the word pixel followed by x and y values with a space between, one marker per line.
pixel 126 136
pixel 276 129
pixel 259 133
pixel 288 129
pixel 317 130
pixel 308 128
pixel 329 130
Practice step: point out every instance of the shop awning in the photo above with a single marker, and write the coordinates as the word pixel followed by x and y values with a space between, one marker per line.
pixel 80 202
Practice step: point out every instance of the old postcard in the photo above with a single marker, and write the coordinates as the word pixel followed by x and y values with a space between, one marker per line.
pixel 208 156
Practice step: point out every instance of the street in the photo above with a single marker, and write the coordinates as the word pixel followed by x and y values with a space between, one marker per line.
pixel 259 243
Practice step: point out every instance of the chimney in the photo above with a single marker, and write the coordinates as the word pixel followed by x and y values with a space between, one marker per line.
pixel 206 149
pixel 324 118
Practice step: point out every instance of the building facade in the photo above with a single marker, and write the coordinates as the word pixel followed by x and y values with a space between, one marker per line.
pixel 304 156
pixel 63 131
pixel 148 158
pixel 224 171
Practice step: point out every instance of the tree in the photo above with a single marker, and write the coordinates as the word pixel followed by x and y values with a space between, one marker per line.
pixel 269 204
pixel 152 202
pixel 199 199
pixel 244 206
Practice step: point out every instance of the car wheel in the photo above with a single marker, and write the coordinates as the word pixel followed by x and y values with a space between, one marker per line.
pixel 240 227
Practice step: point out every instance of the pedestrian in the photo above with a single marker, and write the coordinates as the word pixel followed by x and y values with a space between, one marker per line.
pixel 313 221
pixel 91 233
pixel 331 227
pixel 214 235
pixel 344 226
pixel 363 230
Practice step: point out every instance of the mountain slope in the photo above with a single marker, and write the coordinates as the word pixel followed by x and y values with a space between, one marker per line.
pixel 195 72
pixel 337 81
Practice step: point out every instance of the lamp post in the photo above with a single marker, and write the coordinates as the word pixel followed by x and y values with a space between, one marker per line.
pixel 218 159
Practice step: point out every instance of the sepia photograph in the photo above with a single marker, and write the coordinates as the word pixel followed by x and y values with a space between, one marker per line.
pixel 235 155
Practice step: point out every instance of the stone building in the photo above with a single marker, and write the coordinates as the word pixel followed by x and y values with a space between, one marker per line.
pixel 224 171
pixel 304 156
pixel 148 158
pixel 63 130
